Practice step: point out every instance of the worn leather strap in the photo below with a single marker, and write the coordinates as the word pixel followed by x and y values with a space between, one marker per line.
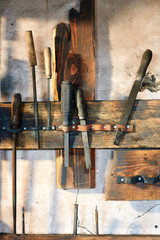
pixel 97 127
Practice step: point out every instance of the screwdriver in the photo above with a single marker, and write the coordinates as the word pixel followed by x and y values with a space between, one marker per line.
pixel 81 106
pixel 47 60
pixel 66 109
pixel 15 123
pixel 33 63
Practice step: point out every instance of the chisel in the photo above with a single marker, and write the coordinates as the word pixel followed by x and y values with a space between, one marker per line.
pixel 146 59
pixel 47 60
pixel 81 106
pixel 15 123
pixel 33 63
pixel 66 109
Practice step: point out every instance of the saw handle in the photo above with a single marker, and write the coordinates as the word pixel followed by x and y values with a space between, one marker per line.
pixel 15 110
pixel 145 61
pixel 30 48
pixel 80 103
pixel 66 102
pixel 47 61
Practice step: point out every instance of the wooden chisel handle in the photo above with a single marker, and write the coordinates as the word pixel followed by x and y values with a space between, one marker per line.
pixel 145 61
pixel 30 48
pixel 66 102
pixel 80 103
pixel 47 61
pixel 15 111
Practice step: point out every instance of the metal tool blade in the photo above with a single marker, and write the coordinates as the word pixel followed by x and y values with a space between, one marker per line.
pixel 86 146
pixel 66 149
pixel 127 109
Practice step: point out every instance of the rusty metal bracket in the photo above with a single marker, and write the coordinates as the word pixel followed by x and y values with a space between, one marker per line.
pixel 78 128
pixel 138 179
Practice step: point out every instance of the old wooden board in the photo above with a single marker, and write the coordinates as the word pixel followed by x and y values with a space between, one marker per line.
pixel 145 118
pixel 133 163
pixel 75 61
pixel 77 237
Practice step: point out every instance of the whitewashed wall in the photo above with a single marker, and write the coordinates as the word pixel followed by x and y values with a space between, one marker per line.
pixel 124 30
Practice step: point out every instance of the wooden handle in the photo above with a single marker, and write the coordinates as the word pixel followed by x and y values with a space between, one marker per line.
pixel 146 59
pixel 15 110
pixel 80 103
pixel 30 48
pixel 47 61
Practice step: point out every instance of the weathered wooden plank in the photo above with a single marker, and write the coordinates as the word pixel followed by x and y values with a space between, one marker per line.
pixel 131 163
pixel 145 118
pixel 77 237
pixel 75 61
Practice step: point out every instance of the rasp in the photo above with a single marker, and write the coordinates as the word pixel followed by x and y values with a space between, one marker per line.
pixel 146 59
pixel 48 71
pixel 66 109
pixel 81 106
pixel 33 63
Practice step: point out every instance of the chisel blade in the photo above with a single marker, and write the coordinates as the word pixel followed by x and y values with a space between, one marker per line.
pixel 81 106
pixel 86 146
pixel 66 149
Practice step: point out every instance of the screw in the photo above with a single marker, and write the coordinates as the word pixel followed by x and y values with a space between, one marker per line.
pixel 127 126
pixel 139 178
pixel 104 127
pixel 115 126
pixel 43 128
pixel 122 179
pixel 53 127
pixel 24 128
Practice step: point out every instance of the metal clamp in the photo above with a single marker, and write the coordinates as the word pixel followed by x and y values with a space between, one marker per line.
pixel 75 127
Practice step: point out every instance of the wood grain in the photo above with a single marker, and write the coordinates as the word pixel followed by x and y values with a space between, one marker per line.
pixel 145 118
pixel 78 237
pixel 75 61
pixel 131 163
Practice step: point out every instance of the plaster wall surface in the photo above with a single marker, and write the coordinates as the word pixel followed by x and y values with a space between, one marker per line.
pixel 124 30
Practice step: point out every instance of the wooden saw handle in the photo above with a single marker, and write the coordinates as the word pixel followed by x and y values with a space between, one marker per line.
pixel 30 48
pixel 15 110
pixel 47 61
pixel 145 61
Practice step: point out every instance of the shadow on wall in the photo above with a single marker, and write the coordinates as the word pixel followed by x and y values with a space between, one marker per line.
pixel 4 228
pixel 11 84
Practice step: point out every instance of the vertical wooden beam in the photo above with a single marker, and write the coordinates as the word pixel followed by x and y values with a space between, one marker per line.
pixel 75 61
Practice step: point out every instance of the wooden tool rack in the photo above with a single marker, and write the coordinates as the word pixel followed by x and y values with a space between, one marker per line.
pixel 143 131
